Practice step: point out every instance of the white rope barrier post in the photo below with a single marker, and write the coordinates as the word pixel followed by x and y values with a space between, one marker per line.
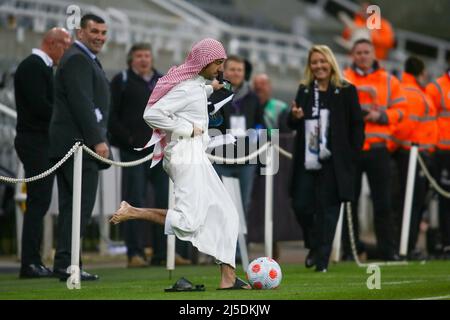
pixel 408 200
pixel 268 217
pixel 170 261
pixel 336 250
pixel 73 282
pixel 20 197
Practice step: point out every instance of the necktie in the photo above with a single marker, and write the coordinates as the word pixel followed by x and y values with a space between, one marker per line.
pixel 98 63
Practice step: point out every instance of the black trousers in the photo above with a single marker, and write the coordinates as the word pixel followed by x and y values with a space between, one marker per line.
pixel 134 191
pixel 443 175
pixel 316 205
pixel 421 187
pixel 376 164
pixel 32 149
pixel 65 191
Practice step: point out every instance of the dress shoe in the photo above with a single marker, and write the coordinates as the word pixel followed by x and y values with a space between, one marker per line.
pixel 35 271
pixel 445 255
pixel 63 275
pixel 392 257
pixel 362 256
pixel 310 260
pixel 417 255
pixel 137 262
pixel 180 261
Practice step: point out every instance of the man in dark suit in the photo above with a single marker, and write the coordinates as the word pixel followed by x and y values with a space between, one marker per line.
pixel 33 88
pixel 81 110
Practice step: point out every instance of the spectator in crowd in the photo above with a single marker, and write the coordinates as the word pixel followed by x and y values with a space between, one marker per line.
pixel 275 111
pixel 419 128
pixel 330 132
pixel 275 116
pixel 244 113
pixel 383 38
pixel 384 106
pixel 439 91
pixel 130 91
pixel 33 86
pixel 81 111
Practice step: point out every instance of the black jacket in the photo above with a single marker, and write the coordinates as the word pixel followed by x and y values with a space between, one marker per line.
pixel 33 88
pixel 82 101
pixel 129 97
pixel 346 140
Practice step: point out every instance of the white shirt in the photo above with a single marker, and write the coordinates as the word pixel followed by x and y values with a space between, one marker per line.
pixel 182 107
pixel 45 57
pixel 86 49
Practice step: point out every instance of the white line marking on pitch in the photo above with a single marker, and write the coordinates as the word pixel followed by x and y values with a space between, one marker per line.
pixel 402 282
pixel 433 298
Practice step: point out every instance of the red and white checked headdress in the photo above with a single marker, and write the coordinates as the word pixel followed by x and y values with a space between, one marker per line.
pixel 202 53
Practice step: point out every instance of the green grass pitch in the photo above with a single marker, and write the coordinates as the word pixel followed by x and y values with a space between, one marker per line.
pixel 343 281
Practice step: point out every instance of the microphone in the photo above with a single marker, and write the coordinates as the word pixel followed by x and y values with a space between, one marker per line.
pixel 220 77
pixel 225 82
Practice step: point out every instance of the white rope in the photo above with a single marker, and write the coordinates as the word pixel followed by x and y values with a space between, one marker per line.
pixel 432 181
pixel 353 245
pixel 45 173
pixel 283 152
pixel 239 160
pixel 117 163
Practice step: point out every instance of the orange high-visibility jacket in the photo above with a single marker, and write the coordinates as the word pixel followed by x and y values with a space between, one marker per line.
pixel 383 39
pixel 439 92
pixel 380 90
pixel 420 126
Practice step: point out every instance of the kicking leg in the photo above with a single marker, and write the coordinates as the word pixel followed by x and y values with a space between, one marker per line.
pixel 128 212
pixel 228 277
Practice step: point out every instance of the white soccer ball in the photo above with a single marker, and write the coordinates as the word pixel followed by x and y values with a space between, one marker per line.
pixel 264 273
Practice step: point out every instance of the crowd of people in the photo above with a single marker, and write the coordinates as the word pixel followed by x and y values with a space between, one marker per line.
pixel 346 123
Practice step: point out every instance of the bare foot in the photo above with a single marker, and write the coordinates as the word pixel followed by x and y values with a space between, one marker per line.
pixel 228 278
pixel 123 214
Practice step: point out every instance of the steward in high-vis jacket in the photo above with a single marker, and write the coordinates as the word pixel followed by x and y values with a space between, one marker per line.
pixel 439 91
pixel 384 106
pixel 418 128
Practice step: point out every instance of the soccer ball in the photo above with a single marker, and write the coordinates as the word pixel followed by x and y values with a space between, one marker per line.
pixel 264 273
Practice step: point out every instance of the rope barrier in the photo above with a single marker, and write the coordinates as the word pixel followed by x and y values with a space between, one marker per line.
pixel 137 162
pixel 45 173
pixel 131 163
pixel 430 178
pixel 353 245
pixel 283 152
pixel 241 159
pixel 117 163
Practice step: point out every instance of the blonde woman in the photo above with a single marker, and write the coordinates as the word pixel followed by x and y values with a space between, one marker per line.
pixel 330 132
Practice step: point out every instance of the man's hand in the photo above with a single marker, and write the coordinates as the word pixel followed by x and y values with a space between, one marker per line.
pixel 196 132
pixel 296 111
pixel 373 116
pixel 216 85
pixel 102 150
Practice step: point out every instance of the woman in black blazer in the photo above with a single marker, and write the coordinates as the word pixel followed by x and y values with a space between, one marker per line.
pixel 327 116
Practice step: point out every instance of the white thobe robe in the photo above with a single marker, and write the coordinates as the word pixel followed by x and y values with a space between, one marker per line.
pixel 204 212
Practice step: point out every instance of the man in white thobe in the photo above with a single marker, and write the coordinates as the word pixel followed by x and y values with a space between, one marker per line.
pixel 203 212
